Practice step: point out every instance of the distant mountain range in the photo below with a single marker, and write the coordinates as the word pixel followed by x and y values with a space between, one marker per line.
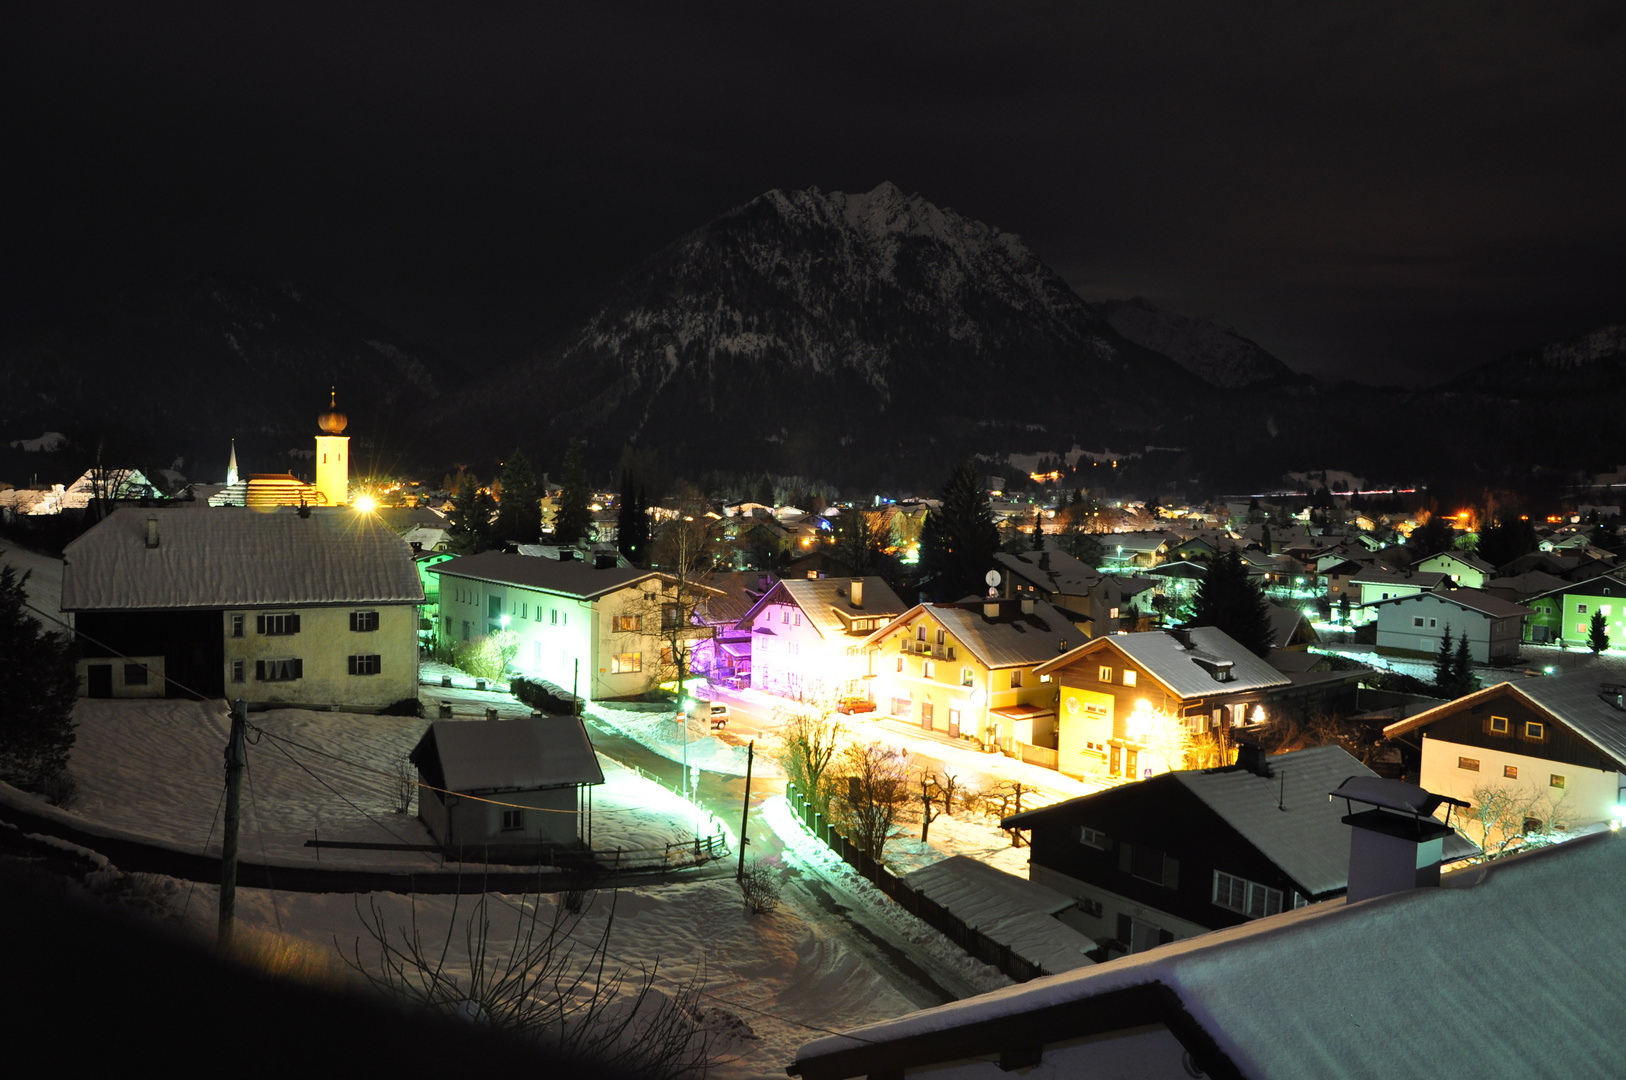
pixel 870 339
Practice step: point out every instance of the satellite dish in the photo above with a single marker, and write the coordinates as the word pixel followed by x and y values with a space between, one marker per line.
pixel 991 577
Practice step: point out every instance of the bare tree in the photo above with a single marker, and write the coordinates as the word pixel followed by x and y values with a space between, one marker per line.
pixel 929 791
pixel 810 734
pixel 1004 798
pixel 684 549
pixel 877 788
pixel 1502 820
pixel 537 987
pixel 760 887
pixel 1164 739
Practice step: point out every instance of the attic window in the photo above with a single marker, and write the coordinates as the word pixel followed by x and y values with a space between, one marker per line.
pixel 1498 725
pixel 1534 731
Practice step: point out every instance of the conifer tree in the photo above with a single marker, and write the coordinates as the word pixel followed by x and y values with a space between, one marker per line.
pixel 519 517
pixel 1462 669
pixel 1598 634
pixel 1231 601
pixel 472 527
pixel 632 520
pixel 958 541
pixel 37 690
pixel 1443 661
pixel 1038 529
pixel 574 517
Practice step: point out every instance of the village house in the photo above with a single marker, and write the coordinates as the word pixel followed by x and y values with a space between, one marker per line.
pixel 1414 625
pixel 1360 986
pixel 1115 692
pixel 1464 571
pixel 1091 600
pixel 1377 585
pixel 1563 614
pixel 596 628
pixel 278 608
pixel 1555 745
pixel 807 635
pixel 966 670
pixel 511 790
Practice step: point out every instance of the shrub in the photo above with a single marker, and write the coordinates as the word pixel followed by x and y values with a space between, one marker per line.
pixel 760 885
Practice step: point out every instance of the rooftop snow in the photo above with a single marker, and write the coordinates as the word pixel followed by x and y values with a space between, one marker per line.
pixel 512 755
pixel 1011 910
pixel 1181 669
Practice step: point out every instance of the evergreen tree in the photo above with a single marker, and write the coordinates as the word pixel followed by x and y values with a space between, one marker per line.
pixel 519 517
pixel 1598 634
pixel 37 690
pixel 1442 663
pixel 1510 537
pixel 1038 530
pixel 1343 609
pixel 958 541
pixel 472 527
pixel 1433 537
pixel 574 517
pixel 1462 669
pixel 632 521
pixel 764 491
pixel 1230 600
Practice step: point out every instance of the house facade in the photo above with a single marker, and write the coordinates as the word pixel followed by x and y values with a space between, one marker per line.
pixel 592 627
pixel 1093 601
pixel 1564 615
pixel 966 670
pixel 807 635
pixel 277 608
pixel 1463 571
pixel 1556 745
pixel 1114 693
pixel 1414 625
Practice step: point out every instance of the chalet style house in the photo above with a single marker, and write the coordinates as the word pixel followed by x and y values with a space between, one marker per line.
pixel 595 626
pixel 967 670
pixel 276 607
pixel 1556 745
pixel 807 633
pixel 1414 625
pixel 1092 601
pixel 1112 688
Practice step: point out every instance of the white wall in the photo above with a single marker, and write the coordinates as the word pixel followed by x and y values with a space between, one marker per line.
pixel 325 643
pixel 1588 796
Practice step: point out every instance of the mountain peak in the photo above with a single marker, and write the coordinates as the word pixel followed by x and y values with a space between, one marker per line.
pixel 1202 345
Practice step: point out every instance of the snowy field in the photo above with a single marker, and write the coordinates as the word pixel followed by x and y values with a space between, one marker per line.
pixel 654 727
pixel 153 769
pixel 786 980
pixel 44 585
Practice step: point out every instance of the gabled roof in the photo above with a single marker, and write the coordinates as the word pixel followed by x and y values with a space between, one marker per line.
pixel 827 602
pixel 1464 559
pixel 1572 700
pixel 1477 600
pixel 575 578
pixel 1186 673
pixel 1331 990
pixel 1286 815
pixel 509 755
pixel 1423 579
pixel 1052 570
pixel 736 591
pixel 1008 909
pixel 1011 639
pixel 235 557
pixel 1285 623
pixel 1615 578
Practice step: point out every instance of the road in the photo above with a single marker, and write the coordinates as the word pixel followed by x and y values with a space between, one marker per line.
pixel 914 974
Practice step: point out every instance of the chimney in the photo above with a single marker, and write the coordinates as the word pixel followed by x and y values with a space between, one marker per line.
pixel 603 561
pixel 417 545
pixel 1181 634
pixel 152 530
pixel 990 608
pixel 858 592
pixel 1251 757
pixel 1396 845
pixel 1027 605
pixel 567 555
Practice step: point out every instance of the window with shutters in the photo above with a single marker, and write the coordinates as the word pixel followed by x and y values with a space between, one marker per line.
pixel 365 664
pixel 279 625
pixel 279 670
pixel 364 622
pixel 237 626
pixel 237 667
pixel 1245 897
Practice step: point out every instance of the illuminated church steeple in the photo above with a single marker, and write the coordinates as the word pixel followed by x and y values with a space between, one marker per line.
pixel 332 454
pixel 231 466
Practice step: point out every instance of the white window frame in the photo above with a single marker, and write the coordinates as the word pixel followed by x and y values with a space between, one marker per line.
pixel 1238 894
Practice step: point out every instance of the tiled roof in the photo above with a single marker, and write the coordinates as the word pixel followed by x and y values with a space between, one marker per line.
pixel 235 557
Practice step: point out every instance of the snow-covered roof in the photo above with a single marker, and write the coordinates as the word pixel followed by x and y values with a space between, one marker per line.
pixel 577 577
pixel 1010 910
pixel 1375 988
pixel 1187 673
pixel 235 557
pixel 827 602
pixel 1422 579
pixel 510 755
pixel 1476 600
pixel 1052 570
pixel 1575 700
pixel 1011 638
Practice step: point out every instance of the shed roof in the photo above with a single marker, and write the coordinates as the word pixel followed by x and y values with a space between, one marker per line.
pixel 510 755
pixel 1011 910
pixel 237 557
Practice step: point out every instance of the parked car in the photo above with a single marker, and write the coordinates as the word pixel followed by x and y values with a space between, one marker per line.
pixel 855 705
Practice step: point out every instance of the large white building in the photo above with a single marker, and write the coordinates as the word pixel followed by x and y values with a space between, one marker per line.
pixel 807 634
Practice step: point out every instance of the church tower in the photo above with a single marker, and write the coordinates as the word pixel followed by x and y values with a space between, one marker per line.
pixel 333 455
pixel 231 466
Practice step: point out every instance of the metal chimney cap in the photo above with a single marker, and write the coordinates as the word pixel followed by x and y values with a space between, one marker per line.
pixel 1392 795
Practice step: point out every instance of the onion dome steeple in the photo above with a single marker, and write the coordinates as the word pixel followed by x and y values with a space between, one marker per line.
pixel 332 421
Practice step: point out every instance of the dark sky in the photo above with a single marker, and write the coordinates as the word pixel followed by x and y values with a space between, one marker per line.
pixel 1386 191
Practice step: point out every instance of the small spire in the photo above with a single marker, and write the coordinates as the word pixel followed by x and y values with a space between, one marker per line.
pixel 231 466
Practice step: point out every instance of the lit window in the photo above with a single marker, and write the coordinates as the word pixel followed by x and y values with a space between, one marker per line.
pixel 368 664
pixel 1498 725
pixel 1129 677
pixel 1471 764
pixel 1555 781
pixel 364 621
pixel 626 663
pixel 1510 772
pixel 1105 674
pixel 628 624
pixel 1112 613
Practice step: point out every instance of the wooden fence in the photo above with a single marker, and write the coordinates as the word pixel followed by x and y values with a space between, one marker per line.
pixel 1038 755
pixel 912 900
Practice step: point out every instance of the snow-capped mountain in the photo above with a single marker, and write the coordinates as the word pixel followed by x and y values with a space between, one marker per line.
pixel 876 322
pixel 1591 361
pixel 1203 346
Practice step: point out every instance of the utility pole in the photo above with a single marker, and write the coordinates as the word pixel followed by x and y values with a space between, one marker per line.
pixel 236 758
pixel 575 681
pixel 745 814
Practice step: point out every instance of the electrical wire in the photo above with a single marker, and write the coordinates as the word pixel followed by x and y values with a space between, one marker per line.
pixel 259 829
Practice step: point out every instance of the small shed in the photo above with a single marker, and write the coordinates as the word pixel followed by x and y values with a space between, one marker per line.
pixel 516 789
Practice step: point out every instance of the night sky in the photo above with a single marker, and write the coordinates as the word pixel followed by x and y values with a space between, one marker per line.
pixel 1386 192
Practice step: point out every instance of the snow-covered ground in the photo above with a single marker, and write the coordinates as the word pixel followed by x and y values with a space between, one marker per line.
pixel 654 727
pixel 153 769
pixel 44 585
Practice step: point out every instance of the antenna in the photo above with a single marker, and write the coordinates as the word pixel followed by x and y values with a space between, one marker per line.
pixel 992 578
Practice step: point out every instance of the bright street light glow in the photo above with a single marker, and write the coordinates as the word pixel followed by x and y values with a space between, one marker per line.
pixel 365 503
